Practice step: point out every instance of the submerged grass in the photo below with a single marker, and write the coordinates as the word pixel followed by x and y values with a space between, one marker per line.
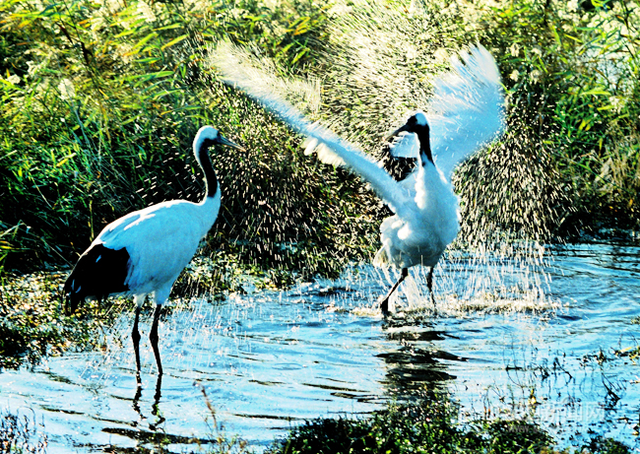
pixel 32 324
pixel 19 434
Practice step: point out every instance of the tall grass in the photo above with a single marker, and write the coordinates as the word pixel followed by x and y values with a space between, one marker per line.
pixel 571 69
pixel 101 108
pixel 101 102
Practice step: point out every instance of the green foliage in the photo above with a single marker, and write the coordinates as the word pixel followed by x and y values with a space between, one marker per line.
pixel 101 102
pixel 101 105
pixel 425 427
pixel 571 73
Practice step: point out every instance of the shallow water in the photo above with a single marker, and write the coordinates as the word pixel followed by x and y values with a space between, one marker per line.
pixel 510 338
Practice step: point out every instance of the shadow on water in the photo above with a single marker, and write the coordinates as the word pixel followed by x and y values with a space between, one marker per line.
pixel 565 356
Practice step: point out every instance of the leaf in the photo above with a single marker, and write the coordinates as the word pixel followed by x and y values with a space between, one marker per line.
pixel 596 92
pixel 299 55
pixel 168 27
pixel 61 163
pixel 144 40
pixel 174 41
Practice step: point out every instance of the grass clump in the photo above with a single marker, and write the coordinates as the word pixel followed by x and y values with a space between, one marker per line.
pixel 605 445
pixel 19 434
pixel 33 324
pixel 429 426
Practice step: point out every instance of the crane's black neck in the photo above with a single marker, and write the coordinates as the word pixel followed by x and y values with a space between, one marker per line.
pixel 425 145
pixel 210 178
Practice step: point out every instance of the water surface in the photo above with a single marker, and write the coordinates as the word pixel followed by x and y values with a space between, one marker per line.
pixel 551 342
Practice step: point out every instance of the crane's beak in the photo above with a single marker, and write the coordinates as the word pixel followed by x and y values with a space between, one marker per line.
pixel 224 141
pixel 403 128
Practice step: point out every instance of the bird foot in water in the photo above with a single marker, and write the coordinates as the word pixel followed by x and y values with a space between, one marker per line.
pixel 384 306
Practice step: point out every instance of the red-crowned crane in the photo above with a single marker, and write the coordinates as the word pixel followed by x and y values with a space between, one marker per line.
pixel 143 252
pixel 464 114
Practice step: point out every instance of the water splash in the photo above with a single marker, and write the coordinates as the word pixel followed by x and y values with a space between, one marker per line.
pixel 381 63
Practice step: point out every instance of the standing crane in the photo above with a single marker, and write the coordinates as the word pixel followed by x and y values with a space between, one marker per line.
pixel 143 252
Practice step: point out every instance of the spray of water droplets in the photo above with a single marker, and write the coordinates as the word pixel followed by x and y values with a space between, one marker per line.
pixel 378 67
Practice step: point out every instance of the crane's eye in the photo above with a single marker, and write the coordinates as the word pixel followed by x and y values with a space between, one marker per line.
pixel 208 142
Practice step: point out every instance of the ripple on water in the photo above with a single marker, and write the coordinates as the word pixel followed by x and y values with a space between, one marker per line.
pixel 550 343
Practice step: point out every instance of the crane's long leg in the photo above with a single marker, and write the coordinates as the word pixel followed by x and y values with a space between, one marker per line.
pixel 384 302
pixel 135 335
pixel 430 286
pixel 153 337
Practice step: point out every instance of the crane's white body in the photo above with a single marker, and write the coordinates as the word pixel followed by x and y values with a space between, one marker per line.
pixel 428 222
pixel 161 240
pixel 464 114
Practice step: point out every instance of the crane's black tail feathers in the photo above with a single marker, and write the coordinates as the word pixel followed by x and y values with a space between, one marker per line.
pixel 100 272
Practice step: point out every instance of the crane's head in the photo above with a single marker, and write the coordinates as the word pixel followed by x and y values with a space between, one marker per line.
pixel 417 124
pixel 208 136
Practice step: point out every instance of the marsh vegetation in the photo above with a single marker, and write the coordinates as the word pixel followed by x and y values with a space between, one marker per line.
pixel 101 102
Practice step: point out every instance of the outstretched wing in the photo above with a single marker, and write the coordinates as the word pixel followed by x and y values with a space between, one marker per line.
pixel 330 148
pixel 466 110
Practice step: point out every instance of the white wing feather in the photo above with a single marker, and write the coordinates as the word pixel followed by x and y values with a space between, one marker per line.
pixel 466 110
pixel 333 149
pixel 324 153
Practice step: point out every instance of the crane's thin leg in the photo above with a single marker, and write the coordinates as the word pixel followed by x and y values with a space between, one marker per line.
pixel 153 337
pixel 430 286
pixel 135 335
pixel 384 302
pixel 157 395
